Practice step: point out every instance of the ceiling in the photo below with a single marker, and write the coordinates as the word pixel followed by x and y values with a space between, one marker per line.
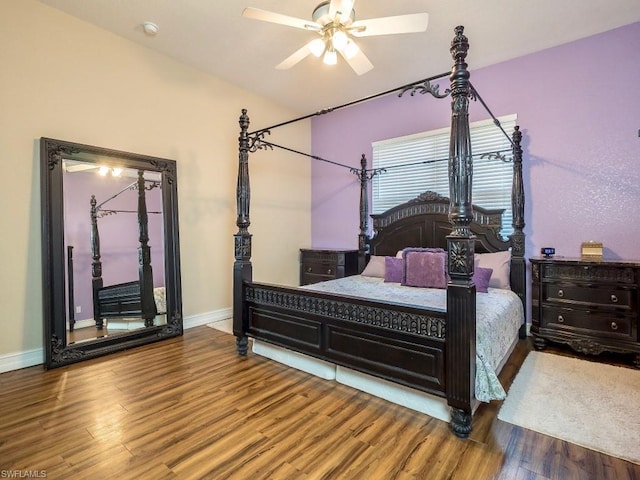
pixel 212 35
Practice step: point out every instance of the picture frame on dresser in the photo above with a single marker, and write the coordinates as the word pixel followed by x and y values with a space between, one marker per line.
pixel 589 304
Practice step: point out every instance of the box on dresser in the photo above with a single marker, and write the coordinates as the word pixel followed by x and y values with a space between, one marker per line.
pixel 319 265
pixel 590 305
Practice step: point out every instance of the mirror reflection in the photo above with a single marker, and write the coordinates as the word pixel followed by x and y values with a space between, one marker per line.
pixel 110 263
pixel 102 232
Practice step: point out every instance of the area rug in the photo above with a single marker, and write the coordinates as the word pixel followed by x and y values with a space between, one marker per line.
pixel 591 404
pixel 225 325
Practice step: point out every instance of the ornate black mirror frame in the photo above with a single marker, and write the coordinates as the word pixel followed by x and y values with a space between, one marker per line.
pixel 57 350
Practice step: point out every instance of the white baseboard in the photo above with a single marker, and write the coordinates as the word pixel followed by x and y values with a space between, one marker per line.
pixel 29 358
pixel 208 317
pixel 16 361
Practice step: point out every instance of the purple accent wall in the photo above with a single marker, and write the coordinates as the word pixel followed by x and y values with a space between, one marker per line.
pixel 118 233
pixel 579 108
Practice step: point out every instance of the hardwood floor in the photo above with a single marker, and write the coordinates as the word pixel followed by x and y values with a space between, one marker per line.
pixel 190 408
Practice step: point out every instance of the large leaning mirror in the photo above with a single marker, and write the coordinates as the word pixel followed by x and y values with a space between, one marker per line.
pixel 110 251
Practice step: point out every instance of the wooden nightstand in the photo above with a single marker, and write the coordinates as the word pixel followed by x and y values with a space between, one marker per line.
pixel 326 264
pixel 591 305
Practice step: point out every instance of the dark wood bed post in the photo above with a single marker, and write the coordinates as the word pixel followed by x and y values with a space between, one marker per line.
pixel 145 271
pixel 518 263
pixel 242 269
pixel 461 292
pixel 96 264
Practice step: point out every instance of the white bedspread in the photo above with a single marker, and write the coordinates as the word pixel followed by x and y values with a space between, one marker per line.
pixel 160 298
pixel 499 315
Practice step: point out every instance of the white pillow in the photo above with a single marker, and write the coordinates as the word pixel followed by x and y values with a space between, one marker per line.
pixel 375 267
pixel 500 262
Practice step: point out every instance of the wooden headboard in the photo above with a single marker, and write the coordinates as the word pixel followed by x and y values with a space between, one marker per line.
pixel 424 222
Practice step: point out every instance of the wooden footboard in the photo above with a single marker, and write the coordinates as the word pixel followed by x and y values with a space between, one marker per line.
pixel 123 300
pixel 400 343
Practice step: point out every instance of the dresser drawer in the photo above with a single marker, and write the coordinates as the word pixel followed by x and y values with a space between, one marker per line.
pixel 586 321
pixel 602 295
pixel 593 273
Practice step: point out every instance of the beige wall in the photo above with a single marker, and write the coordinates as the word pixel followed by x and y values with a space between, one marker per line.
pixel 66 79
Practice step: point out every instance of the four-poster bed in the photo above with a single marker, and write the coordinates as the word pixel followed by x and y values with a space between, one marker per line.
pixel 430 349
pixel 134 299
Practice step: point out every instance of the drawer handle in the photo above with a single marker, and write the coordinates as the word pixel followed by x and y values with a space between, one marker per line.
pixel 309 269
pixel 614 299
pixel 328 271
pixel 560 293
pixel 614 326
pixel 560 319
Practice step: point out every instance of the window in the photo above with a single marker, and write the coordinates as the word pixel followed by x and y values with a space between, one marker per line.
pixel 417 163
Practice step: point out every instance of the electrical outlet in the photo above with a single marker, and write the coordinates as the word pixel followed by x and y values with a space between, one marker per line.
pixel 78 309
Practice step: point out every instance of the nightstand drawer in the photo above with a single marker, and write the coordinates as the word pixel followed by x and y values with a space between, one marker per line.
pixel 320 269
pixel 589 296
pixel 321 265
pixel 585 321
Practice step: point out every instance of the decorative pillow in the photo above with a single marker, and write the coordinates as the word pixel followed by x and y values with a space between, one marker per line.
pixel 375 267
pixel 424 269
pixel 393 268
pixel 481 277
pixel 417 249
pixel 500 263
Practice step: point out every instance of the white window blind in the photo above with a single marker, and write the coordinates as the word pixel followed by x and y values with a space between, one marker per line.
pixel 417 163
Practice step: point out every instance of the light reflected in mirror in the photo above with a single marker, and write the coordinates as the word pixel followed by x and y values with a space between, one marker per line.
pixel 110 262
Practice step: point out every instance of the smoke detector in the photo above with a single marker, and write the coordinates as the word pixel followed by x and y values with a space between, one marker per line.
pixel 150 29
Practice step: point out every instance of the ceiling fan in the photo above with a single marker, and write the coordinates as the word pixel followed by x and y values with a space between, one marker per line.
pixel 334 21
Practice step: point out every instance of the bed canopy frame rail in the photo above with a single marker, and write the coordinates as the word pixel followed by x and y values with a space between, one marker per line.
pixel 365 334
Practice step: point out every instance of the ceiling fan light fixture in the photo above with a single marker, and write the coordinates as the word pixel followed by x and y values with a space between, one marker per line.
pixel 330 57
pixel 339 40
pixel 316 47
pixel 334 21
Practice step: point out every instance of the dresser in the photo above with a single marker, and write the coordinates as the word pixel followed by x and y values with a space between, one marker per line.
pixel 318 265
pixel 590 305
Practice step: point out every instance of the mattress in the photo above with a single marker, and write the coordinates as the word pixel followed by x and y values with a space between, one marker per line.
pixel 499 315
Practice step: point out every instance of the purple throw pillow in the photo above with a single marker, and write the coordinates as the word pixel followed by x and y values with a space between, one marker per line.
pixel 425 269
pixel 481 277
pixel 393 268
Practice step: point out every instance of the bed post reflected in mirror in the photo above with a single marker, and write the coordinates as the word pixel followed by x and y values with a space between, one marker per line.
pixel 242 269
pixel 96 264
pixel 145 271
pixel 461 292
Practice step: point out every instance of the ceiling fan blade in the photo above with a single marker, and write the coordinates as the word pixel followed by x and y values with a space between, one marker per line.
pixel 342 6
pixel 411 23
pixel 294 58
pixel 359 62
pixel 264 15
